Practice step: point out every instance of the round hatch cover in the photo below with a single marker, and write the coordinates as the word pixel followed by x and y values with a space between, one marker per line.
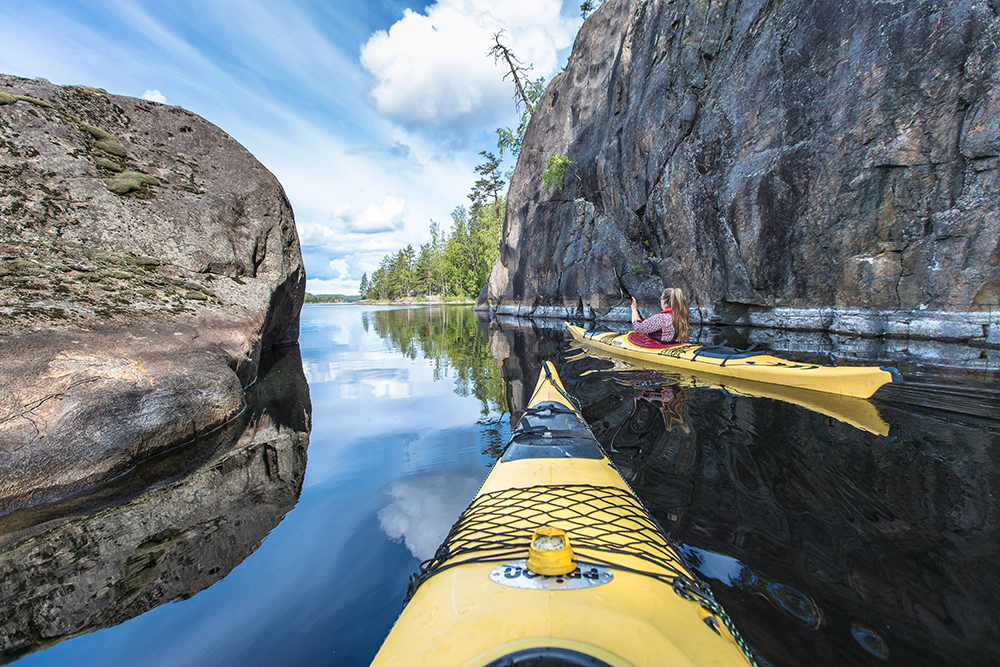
pixel 517 575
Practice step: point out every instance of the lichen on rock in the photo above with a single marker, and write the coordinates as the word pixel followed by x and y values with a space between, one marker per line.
pixel 107 360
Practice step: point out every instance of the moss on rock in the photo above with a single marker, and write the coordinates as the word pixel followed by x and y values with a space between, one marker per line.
pixel 32 100
pixel 110 165
pixel 130 181
pixel 105 141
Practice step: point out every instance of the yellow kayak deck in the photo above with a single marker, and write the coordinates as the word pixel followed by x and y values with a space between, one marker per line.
pixel 856 381
pixel 857 412
pixel 636 603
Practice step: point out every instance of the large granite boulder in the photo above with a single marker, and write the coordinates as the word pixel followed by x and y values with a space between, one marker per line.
pixel 826 165
pixel 147 262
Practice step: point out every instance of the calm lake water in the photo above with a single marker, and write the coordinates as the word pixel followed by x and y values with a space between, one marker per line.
pixel 828 543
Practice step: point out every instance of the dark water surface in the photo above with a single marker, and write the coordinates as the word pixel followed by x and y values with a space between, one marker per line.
pixel 828 544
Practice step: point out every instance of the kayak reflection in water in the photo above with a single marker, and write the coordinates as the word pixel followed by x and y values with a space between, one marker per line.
pixel 668 398
pixel 670 325
pixel 671 399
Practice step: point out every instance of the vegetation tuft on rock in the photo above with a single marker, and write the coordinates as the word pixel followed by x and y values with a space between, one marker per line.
pixel 104 140
pixel 555 168
pixel 130 181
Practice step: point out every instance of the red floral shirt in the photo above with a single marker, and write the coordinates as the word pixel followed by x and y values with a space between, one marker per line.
pixel 659 327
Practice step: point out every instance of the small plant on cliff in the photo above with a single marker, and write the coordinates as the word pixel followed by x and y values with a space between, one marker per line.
pixel 636 269
pixel 588 6
pixel 555 167
pixel 527 92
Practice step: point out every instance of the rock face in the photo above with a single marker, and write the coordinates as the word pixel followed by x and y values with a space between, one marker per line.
pixel 147 262
pixel 813 165
pixel 165 532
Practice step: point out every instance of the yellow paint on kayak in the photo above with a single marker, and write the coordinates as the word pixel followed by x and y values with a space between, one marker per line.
pixel 857 412
pixel 460 617
pixel 857 381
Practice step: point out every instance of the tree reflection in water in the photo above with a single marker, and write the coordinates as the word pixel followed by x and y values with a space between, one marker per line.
pixel 452 339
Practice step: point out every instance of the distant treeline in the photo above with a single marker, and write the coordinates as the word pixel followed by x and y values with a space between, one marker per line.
pixel 331 298
pixel 455 263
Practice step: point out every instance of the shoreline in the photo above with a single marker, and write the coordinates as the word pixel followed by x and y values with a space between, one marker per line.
pixel 398 302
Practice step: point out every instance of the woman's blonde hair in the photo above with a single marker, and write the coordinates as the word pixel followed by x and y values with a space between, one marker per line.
pixel 673 297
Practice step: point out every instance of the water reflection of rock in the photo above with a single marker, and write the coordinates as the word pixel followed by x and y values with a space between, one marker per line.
pixel 166 531
pixel 900 537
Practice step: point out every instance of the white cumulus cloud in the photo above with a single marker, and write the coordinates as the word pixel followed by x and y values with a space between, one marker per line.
pixel 154 95
pixel 432 70
pixel 376 218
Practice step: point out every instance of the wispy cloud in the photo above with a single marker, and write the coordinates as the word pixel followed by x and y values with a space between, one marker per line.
pixel 288 82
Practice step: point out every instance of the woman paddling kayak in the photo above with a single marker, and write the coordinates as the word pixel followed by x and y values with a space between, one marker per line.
pixel 670 325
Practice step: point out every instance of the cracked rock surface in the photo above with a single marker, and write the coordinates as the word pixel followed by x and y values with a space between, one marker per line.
pixel 769 158
pixel 147 262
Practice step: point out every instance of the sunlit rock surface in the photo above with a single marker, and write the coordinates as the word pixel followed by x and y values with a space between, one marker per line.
pixel 166 531
pixel 806 165
pixel 147 262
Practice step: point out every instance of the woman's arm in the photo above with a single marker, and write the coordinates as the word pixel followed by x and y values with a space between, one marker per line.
pixel 635 312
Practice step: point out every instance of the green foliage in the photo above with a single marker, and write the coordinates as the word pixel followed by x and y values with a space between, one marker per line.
pixel 7 98
pixel 454 265
pixel 587 6
pixel 555 168
pixel 331 298
pixel 510 140
pixel 452 339
pixel 636 269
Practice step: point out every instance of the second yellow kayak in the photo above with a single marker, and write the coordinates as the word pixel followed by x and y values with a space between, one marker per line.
pixel 857 381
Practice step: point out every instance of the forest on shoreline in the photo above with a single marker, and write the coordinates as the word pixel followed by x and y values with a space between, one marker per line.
pixel 455 263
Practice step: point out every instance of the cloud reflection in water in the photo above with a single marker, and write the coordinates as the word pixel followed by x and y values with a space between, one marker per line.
pixel 424 508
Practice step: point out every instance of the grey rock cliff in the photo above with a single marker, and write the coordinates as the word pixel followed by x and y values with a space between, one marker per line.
pixel 147 261
pixel 813 165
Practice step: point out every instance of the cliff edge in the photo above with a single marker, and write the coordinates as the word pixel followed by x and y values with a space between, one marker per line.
pixel 147 262
pixel 799 164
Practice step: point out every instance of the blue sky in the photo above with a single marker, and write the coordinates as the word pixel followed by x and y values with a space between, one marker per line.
pixel 371 114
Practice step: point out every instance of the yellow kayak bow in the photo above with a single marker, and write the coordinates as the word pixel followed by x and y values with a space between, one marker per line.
pixel 557 563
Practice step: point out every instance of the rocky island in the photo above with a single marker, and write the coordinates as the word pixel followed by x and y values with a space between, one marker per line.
pixel 825 166
pixel 148 262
